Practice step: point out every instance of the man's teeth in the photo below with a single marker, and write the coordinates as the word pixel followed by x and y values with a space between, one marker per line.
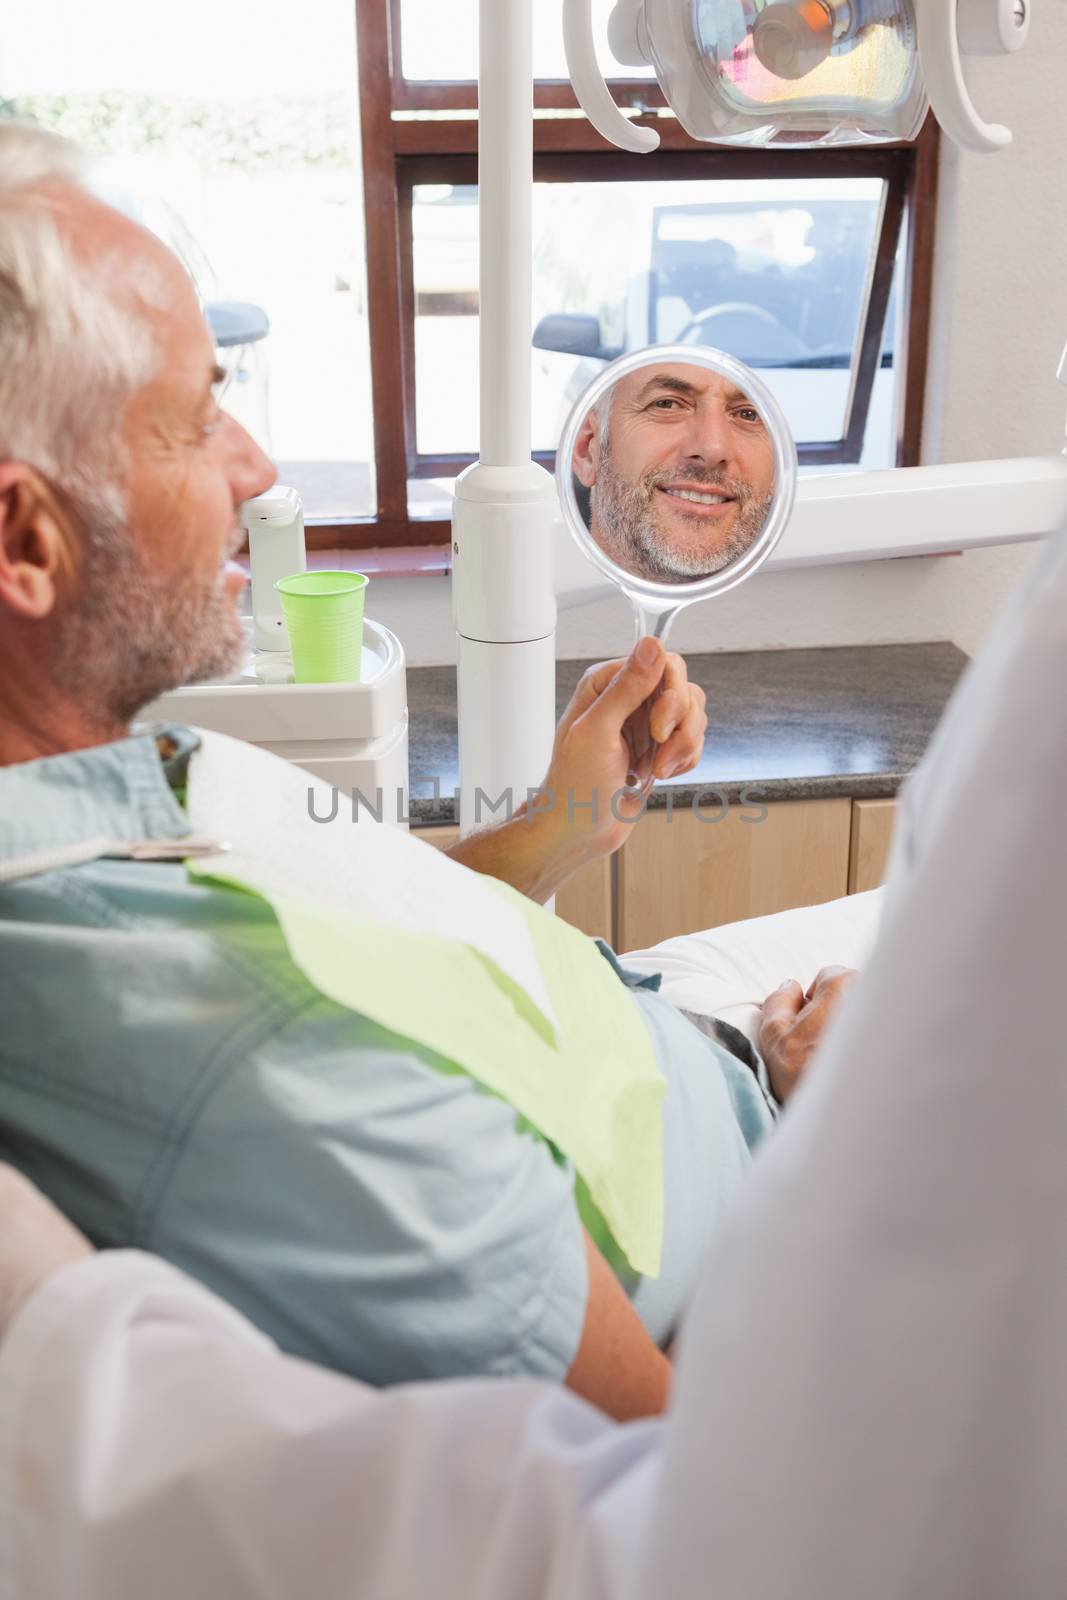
pixel 697 498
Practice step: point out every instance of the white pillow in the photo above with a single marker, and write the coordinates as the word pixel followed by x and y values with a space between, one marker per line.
pixel 729 971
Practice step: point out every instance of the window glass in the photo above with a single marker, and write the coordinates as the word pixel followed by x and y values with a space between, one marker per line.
pixel 231 129
pixel 440 42
pixel 774 272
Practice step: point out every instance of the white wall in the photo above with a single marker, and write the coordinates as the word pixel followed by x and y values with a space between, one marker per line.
pixel 999 321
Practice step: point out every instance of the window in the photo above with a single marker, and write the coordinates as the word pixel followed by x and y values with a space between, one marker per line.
pixel 331 193
pixel 231 128
pixel 437 60
pixel 812 265
pixel 780 272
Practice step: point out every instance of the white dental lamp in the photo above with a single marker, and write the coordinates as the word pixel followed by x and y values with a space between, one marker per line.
pixel 802 72
pixel 813 72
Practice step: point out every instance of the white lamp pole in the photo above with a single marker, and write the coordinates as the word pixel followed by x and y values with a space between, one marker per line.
pixel 506 507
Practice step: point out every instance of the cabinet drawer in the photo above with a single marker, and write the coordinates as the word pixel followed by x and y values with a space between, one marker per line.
pixel 872 837
pixel 682 872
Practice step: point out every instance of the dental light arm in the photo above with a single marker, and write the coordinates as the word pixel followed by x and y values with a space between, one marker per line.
pixel 505 511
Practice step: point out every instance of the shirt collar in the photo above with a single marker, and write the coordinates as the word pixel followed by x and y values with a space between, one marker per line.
pixel 122 791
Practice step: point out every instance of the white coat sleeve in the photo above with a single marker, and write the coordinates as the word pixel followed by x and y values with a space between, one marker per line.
pixel 153 1444
pixel 890 1297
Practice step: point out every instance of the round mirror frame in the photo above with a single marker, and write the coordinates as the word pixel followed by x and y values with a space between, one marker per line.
pixel 663 595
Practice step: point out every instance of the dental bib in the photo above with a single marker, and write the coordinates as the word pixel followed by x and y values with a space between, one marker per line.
pixel 389 927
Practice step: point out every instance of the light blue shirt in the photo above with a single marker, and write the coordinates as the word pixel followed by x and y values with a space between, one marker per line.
pixel 172 1080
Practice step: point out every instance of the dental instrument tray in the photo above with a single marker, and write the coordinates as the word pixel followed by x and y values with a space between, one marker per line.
pixel 252 707
pixel 348 734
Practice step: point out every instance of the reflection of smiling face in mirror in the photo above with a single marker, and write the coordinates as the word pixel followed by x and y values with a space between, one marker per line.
pixel 681 472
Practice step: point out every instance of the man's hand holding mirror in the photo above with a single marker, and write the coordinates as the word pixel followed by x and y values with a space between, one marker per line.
pixel 677 473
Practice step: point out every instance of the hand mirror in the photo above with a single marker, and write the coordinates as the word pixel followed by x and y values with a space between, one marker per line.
pixel 676 473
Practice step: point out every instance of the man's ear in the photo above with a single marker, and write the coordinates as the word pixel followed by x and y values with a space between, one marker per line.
pixel 586 462
pixel 35 548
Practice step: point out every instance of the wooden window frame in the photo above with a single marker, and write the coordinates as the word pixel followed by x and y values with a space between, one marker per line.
pixel 438 144
pixel 417 94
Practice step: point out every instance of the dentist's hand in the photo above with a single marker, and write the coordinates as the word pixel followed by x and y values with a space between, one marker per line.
pixel 583 792
pixel 35 1241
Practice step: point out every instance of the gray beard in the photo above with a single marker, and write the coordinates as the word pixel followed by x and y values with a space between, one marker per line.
pixel 125 637
pixel 630 535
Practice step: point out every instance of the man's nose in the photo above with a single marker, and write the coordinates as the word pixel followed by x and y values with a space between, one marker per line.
pixel 707 440
pixel 250 470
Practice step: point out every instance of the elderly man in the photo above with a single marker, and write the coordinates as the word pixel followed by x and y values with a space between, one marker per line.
pixel 680 472
pixel 175 1074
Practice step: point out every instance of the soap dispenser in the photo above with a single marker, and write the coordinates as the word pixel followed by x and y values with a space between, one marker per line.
pixel 275 525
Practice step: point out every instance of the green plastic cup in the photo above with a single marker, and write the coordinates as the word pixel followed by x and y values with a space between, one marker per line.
pixel 324 616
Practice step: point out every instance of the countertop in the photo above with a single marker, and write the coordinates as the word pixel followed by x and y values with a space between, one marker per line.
pixel 782 724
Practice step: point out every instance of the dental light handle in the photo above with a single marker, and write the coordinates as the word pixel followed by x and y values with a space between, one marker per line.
pixel 939 55
pixel 274 523
pixel 590 86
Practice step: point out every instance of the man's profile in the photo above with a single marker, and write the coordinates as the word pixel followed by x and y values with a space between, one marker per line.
pixel 171 1072
pixel 680 472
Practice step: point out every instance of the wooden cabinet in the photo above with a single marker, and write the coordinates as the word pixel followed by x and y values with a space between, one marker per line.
pixel 872 835
pixel 585 901
pixel 682 872
pixel 440 838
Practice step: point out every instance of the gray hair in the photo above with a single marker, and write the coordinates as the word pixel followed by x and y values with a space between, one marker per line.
pixel 74 343
pixel 602 411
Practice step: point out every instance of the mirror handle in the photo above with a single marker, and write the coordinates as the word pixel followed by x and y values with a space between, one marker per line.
pixel 650 620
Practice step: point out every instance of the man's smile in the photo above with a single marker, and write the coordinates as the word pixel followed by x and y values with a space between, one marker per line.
pixel 712 504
